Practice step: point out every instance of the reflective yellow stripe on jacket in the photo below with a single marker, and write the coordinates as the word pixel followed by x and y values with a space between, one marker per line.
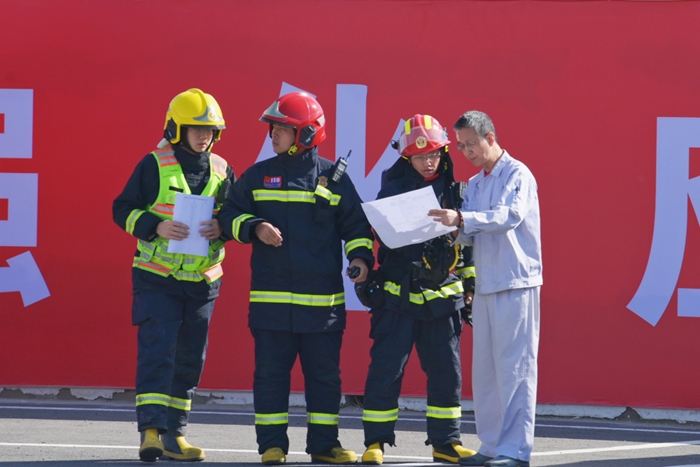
pixel 466 272
pixel 297 299
pixel 131 220
pixel 359 242
pixel 419 299
pixel 284 196
pixel 327 194
pixel 237 223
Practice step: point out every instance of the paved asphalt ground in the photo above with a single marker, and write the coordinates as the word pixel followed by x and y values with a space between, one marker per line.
pixel 68 433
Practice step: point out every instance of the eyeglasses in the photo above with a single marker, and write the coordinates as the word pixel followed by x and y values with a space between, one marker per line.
pixel 462 147
pixel 433 156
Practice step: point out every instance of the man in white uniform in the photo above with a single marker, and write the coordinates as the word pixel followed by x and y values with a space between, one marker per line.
pixel 500 217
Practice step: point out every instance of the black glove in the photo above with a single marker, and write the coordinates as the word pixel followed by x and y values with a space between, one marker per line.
pixel 467 314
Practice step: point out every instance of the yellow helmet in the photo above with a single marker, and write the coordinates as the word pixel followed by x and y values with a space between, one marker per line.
pixel 193 108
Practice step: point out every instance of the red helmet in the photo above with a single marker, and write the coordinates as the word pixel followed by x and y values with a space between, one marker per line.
pixel 422 134
pixel 301 111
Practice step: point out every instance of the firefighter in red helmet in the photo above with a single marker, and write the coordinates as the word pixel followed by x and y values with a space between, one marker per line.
pixel 427 288
pixel 297 214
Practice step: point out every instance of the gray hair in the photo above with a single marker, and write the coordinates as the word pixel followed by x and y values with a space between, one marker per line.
pixel 479 121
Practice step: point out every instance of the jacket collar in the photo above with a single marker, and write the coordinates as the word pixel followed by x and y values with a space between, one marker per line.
pixel 497 169
pixel 306 158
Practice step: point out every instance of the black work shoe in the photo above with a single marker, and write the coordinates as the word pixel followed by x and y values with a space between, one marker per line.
pixel 450 453
pixel 505 461
pixel 474 460
pixel 336 455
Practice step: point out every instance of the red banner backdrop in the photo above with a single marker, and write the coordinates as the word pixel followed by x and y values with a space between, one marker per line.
pixel 575 89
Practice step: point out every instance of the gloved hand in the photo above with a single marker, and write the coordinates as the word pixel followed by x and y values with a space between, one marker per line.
pixel 467 314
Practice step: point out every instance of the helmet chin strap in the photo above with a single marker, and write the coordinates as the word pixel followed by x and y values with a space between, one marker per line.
pixel 293 150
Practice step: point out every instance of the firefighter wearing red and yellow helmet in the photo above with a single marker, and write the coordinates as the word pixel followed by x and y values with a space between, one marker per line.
pixel 297 215
pixel 426 288
pixel 174 293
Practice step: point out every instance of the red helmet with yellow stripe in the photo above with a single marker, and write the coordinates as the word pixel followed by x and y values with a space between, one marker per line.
pixel 420 135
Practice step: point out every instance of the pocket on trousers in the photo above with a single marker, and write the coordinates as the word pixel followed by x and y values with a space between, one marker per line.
pixel 383 321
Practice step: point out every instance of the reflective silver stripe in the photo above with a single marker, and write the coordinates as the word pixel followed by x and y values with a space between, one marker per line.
pixel 297 299
pixel 165 154
pixel 358 242
pixel 466 272
pixel 214 258
pixel 323 192
pixel 164 208
pixel 182 404
pixel 152 398
pixel 284 196
pixel 148 246
pixel 322 418
pixel 271 418
pixel 237 222
pixel 380 416
pixel 446 291
pixel 131 220
pixel 444 412
pixel 165 257
pixel 218 163
pixel 188 275
pixel 395 289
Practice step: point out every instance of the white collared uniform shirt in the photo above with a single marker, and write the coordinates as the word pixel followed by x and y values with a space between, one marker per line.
pixel 502 220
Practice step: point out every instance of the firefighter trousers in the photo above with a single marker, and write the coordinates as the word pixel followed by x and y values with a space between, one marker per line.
pixel 437 345
pixel 275 354
pixel 172 343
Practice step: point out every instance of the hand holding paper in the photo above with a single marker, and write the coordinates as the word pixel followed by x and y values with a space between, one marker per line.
pixel 192 210
pixel 403 219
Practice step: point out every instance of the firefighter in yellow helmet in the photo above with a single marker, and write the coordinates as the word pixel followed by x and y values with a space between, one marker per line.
pixel 174 293
pixel 423 291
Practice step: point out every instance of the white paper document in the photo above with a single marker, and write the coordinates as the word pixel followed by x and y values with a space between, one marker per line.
pixel 192 210
pixel 403 219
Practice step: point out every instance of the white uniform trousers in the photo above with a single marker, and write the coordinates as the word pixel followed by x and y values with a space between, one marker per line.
pixel 504 370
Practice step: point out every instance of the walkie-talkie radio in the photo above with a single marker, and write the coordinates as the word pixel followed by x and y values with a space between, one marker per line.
pixel 339 168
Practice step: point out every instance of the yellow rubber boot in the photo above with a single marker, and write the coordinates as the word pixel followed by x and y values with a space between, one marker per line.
pixel 151 445
pixel 374 455
pixel 177 448
pixel 274 456
pixel 450 453
pixel 336 455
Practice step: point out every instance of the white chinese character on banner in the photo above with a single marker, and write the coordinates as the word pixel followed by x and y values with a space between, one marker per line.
pixel 21 190
pixel 675 137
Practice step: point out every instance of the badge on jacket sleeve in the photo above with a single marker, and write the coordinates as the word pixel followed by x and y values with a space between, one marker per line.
pixel 273 182
pixel 323 181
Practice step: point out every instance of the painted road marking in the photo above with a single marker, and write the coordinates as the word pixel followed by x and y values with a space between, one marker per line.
pixel 254 451
pixel 359 417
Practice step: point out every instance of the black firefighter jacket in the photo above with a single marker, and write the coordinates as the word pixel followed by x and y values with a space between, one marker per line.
pixel 426 300
pixel 298 286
